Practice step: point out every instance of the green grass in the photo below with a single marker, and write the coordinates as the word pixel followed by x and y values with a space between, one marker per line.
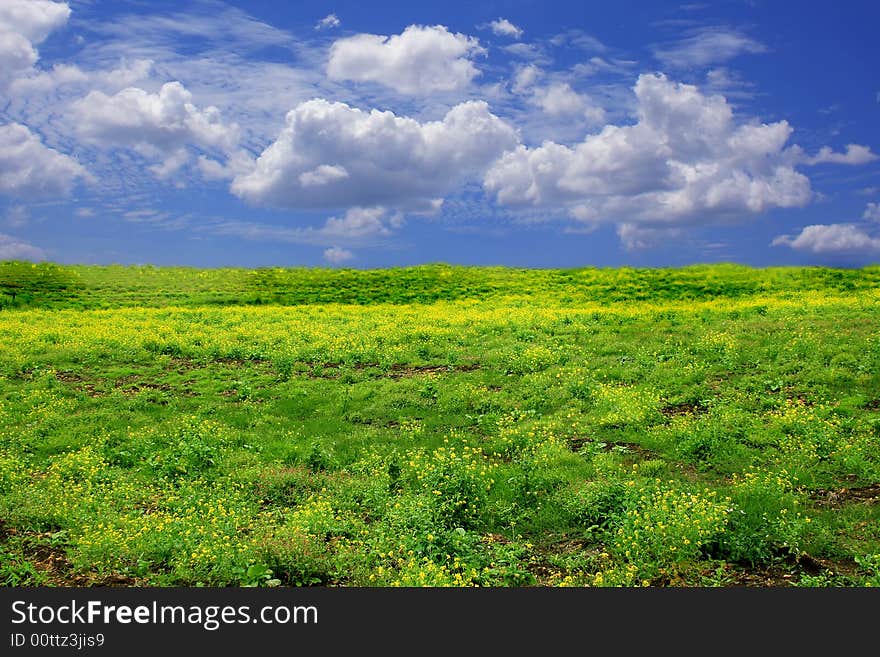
pixel 438 425
pixel 48 285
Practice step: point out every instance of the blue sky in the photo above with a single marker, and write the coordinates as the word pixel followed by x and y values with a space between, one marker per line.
pixel 521 133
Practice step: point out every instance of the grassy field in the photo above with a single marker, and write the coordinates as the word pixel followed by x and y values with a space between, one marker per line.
pixel 439 426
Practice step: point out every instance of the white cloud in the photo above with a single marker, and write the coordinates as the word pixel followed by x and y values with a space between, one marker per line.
pixel 322 175
pixel 528 51
pixel 373 158
pixel 685 160
pixel 560 99
pixel 357 223
pixel 159 126
pixel 16 55
pixel 238 163
pixel 171 164
pixel 503 27
pixel 635 237
pixel 357 226
pixel 421 60
pixel 12 248
pixel 219 54
pixel 598 65
pixel 29 168
pixel 163 120
pixel 63 75
pixel 328 22
pixel 525 78
pixel 855 154
pixel 872 212
pixel 831 239
pixel 23 25
pixel 707 46
pixel 579 39
pixel 336 255
pixel 33 19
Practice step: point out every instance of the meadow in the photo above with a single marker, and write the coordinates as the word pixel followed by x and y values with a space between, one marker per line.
pixel 439 426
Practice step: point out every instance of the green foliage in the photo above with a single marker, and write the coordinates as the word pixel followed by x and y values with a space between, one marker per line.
pixel 29 284
pixel 765 521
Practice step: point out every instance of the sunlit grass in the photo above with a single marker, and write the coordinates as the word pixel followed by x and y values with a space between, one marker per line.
pixel 440 426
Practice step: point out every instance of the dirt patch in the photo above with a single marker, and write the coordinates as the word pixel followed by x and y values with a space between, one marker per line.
pixel 51 561
pixel 872 405
pixel 69 377
pixel 372 422
pixel 799 397
pixel 82 384
pixel 128 385
pixel 495 538
pixel 576 443
pixel 138 387
pixel 396 371
pixel 401 371
pixel 834 499
pixel 631 448
pixel 239 362
pixel 183 365
pixel 785 572
pixel 683 408
pixel 774 576
pixel 833 567
pixel 541 565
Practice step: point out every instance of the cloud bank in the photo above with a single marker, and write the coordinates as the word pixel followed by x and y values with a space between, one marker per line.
pixel 685 159
pixel 332 155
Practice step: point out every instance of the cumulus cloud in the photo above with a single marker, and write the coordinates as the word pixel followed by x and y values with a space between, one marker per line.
pixel 503 27
pixel 30 168
pixel 561 100
pixel 421 60
pixel 23 25
pixel 684 160
pixel 12 248
pixel 829 239
pixel 332 155
pixel 336 255
pixel 33 19
pixel 872 212
pixel 322 175
pixel 328 22
pixel 163 120
pixel 855 154
pixel 156 125
pixel 707 46
pixel 357 223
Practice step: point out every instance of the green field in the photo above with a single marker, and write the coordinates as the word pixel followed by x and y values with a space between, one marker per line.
pixel 439 426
